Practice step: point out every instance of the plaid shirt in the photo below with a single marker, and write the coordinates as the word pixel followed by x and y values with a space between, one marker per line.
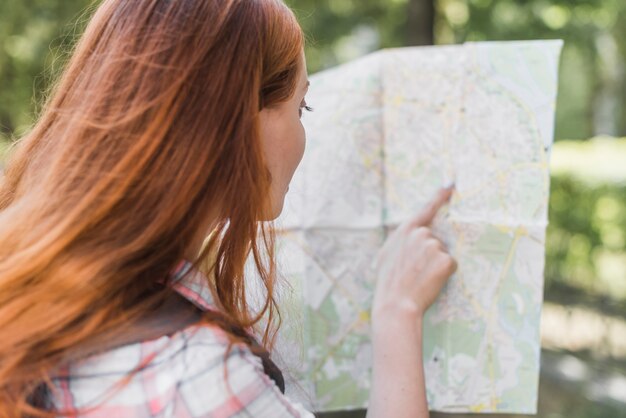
pixel 181 375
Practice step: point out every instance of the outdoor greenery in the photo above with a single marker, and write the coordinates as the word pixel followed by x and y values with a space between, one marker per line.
pixel 586 241
pixel 35 36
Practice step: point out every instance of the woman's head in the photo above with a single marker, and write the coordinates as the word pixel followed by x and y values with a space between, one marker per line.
pixel 169 113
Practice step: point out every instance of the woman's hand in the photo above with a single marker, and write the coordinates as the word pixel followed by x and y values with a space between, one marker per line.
pixel 412 266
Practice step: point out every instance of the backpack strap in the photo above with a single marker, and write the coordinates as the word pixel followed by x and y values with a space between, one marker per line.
pixel 175 314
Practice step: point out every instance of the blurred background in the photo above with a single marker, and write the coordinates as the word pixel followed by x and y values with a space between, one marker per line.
pixel 584 315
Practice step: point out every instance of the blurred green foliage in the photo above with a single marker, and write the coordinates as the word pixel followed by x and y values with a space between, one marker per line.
pixel 586 241
pixel 35 36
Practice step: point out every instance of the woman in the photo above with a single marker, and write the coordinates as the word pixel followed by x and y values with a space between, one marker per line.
pixel 176 124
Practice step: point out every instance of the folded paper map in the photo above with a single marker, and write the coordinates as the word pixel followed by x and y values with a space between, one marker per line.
pixel 388 131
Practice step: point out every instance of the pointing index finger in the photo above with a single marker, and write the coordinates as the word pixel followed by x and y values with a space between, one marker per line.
pixel 426 216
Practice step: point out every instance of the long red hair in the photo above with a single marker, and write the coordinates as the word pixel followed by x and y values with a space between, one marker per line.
pixel 151 127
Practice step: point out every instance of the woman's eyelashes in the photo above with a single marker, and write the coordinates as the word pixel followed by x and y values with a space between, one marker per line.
pixel 306 107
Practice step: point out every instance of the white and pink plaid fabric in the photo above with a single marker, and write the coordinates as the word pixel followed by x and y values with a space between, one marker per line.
pixel 180 376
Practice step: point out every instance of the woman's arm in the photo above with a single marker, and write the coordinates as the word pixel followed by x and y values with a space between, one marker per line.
pixel 412 268
pixel 398 388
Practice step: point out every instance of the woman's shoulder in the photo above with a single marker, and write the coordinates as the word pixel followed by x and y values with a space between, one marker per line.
pixel 193 372
pixel 162 362
pixel 146 356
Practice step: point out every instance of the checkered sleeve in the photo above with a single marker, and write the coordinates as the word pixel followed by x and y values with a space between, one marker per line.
pixel 232 385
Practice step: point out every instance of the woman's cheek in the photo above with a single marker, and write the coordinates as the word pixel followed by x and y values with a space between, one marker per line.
pixel 302 141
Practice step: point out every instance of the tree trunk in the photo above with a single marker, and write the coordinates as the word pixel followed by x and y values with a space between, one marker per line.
pixel 421 22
